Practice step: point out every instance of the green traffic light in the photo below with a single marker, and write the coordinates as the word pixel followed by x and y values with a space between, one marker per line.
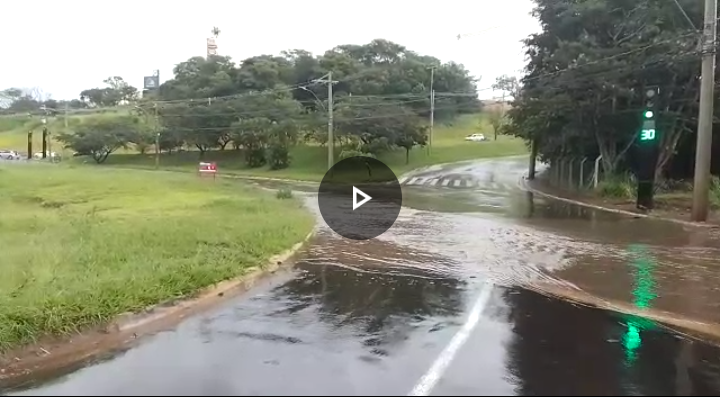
pixel 649 114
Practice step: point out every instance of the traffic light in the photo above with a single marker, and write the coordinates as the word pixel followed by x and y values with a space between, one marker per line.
pixel 647 151
pixel 648 132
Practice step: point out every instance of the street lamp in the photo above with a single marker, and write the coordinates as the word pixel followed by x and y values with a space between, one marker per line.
pixel 317 100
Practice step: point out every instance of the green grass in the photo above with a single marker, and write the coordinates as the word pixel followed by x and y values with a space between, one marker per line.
pixel 309 162
pixel 80 247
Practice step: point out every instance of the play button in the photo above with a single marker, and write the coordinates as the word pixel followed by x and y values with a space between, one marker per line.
pixel 357 192
pixel 360 198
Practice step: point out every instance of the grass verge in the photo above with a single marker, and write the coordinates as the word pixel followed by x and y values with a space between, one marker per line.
pixel 79 247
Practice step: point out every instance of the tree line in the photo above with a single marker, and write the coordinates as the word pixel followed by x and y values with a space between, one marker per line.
pixel 116 92
pixel 266 104
pixel 584 89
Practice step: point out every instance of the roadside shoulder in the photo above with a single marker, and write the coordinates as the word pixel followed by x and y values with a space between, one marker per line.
pixel 539 189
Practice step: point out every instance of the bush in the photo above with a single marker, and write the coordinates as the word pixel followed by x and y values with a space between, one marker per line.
pixel 278 155
pixel 618 186
pixel 715 192
pixel 284 194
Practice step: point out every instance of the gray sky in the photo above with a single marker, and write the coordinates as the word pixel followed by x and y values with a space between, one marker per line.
pixel 66 46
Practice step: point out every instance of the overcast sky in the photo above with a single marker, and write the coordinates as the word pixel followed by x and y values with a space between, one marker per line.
pixel 66 46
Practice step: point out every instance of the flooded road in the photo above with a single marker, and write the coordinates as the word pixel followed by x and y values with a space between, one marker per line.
pixel 435 307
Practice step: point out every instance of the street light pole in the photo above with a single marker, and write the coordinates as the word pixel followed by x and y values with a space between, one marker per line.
pixel 703 151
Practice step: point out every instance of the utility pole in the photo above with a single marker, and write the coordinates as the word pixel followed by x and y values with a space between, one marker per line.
pixel 67 111
pixel 327 79
pixel 331 135
pixel 703 152
pixel 157 139
pixel 432 109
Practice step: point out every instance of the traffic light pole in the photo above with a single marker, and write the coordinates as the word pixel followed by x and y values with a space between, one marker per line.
pixel 648 152
pixel 703 151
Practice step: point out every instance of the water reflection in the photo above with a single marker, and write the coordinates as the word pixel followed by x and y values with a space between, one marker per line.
pixel 384 306
pixel 643 294
pixel 592 225
pixel 562 349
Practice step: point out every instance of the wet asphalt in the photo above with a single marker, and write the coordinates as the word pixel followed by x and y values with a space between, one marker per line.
pixel 432 307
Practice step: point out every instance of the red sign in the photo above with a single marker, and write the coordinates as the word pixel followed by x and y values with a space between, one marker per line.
pixel 207 168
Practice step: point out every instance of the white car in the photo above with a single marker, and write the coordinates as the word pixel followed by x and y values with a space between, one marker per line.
pixel 476 138
pixel 9 155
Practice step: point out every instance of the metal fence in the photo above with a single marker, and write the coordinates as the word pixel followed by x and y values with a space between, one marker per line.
pixel 575 173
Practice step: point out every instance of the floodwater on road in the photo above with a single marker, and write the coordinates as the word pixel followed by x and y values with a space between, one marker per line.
pixel 435 307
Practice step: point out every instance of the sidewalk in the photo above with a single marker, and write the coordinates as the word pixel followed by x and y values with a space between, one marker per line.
pixel 669 210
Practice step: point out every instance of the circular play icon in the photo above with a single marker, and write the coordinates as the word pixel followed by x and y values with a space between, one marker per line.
pixel 360 198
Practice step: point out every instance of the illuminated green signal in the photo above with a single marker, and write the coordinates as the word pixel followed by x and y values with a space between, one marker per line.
pixel 649 114
pixel 647 134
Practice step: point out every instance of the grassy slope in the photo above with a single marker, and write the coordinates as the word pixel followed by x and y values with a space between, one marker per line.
pixel 80 247
pixel 310 162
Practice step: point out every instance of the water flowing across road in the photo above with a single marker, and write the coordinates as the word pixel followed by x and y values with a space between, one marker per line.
pixel 435 306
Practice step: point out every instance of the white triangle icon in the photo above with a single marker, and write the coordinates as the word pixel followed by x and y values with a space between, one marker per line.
pixel 357 204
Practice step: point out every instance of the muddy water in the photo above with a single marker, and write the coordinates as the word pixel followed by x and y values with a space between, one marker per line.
pixel 382 316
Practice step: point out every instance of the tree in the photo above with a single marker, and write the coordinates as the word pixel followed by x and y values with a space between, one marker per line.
pixel 22 100
pixel 496 118
pixel 125 91
pixel 252 134
pixel 587 72
pixel 507 84
pixel 264 104
pixel 101 136
pixel 116 92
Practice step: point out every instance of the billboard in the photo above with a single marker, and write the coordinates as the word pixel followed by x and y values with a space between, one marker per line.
pixel 151 82
pixel 211 46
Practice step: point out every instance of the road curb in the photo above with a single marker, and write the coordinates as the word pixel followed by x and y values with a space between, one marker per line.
pixel 48 359
pixel 522 183
pixel 694 328
pixel 133 321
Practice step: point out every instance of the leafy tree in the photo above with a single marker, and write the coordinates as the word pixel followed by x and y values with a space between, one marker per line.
pixel 588 69
pixel 252 135
pixel 496 118
pixel 507 84
pixel 22 100
pixel 263 105
pixel 101 136
pixel 116 92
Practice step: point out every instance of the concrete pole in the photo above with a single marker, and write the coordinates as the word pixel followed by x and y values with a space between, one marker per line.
pixel 703 153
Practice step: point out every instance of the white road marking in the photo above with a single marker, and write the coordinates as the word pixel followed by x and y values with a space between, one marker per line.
pixel 470 183
pixel 402 180
pixel 445 182
pixel 426 384
pixel 412 181
pixel 457 182
pixel 433 182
